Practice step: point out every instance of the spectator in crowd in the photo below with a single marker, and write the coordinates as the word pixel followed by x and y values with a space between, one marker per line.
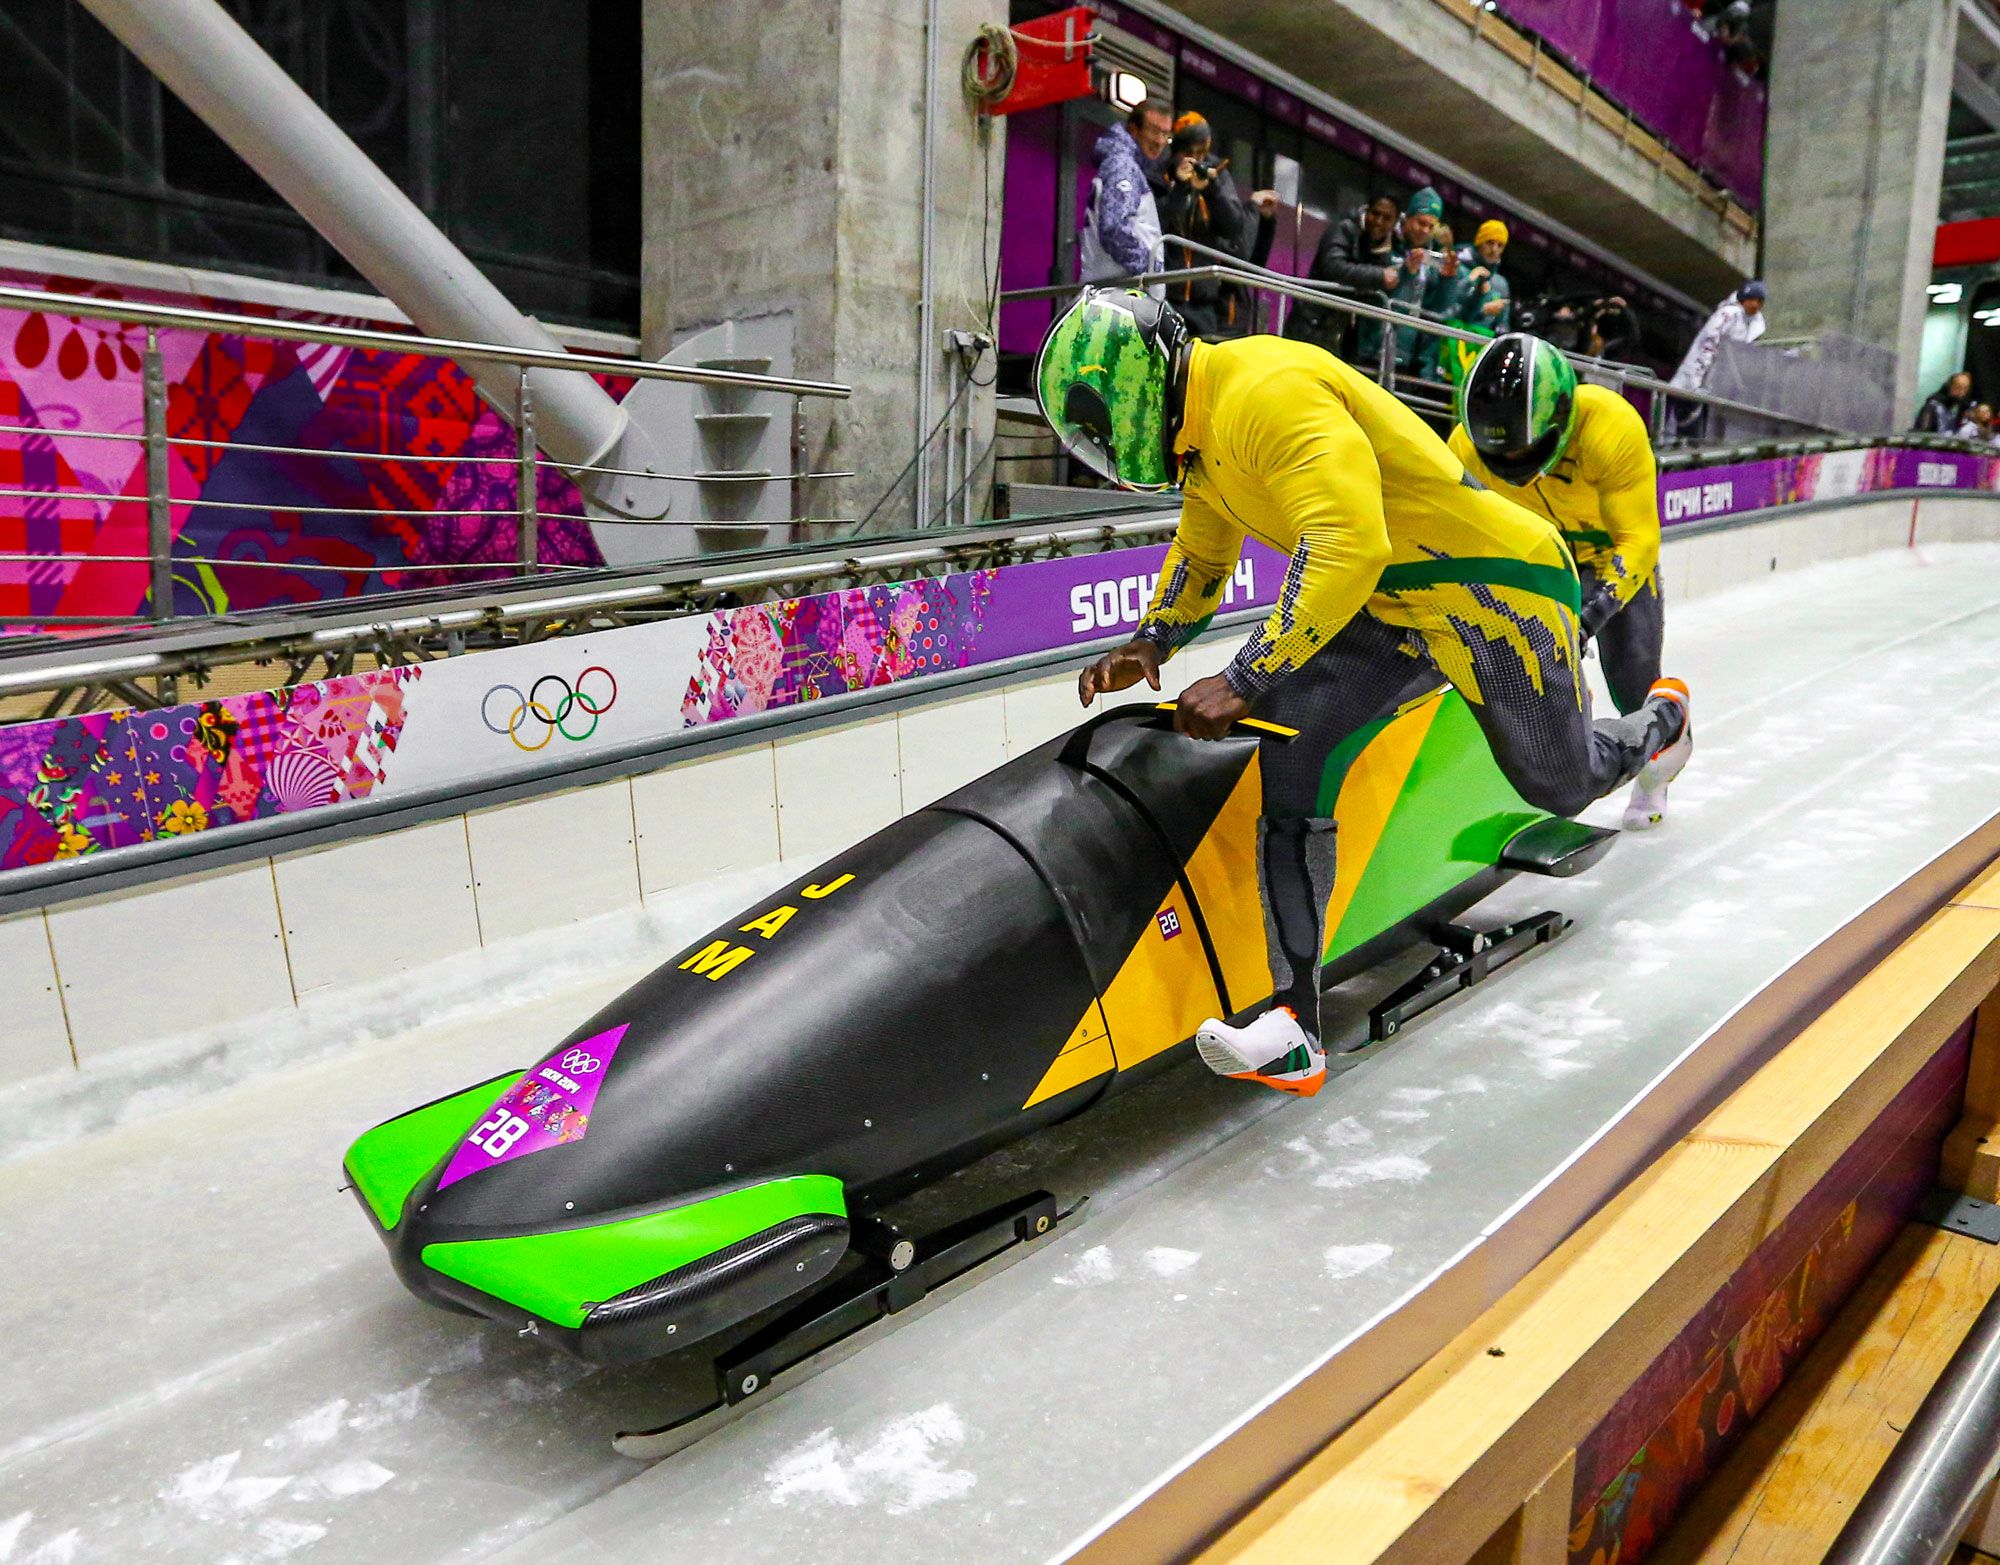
pixel 1485 303
pixel 1121 226
pixel 1443 298
pixel 1597 324
pixel 1489 302
pixel 1945 409
pixel 1154 131
pixel 1417 264
pixel 1739 318
pixel 1977 424
pixel 1356 254
pixel 1204 205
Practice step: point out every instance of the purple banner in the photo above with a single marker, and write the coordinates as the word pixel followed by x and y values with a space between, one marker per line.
pixel 1057 603
pixel 1652 57
pixel 1705 493
pixel 1283 107
pixel 1221 74
pixel 1396 166
pixel 1135 24
pixel 1338 134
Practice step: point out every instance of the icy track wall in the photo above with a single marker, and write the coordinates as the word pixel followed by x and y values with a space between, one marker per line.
pixel 340 527
pixel 245 931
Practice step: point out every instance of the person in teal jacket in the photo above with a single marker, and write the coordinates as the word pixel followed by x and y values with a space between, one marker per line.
pixel 1417 265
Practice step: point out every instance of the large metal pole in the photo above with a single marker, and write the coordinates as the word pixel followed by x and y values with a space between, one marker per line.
pixel 926 305
pixel 200 52
pixel 1918 1506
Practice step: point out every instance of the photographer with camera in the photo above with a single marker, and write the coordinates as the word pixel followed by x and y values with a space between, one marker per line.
pixel 1204 205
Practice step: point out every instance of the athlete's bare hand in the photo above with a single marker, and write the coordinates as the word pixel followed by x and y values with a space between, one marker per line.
pixel 1120 669
pixel 1208 707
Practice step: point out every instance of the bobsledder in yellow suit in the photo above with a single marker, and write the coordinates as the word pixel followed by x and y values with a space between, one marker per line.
pixel 1402 567
pixel 1603 494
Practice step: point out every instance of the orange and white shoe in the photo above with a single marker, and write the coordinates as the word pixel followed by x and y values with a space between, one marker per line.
pixel 1648 805
pixel 1273 1050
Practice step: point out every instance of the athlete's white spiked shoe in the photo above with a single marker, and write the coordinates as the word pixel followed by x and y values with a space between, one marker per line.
pixel 1648 805
pixel 1272 1050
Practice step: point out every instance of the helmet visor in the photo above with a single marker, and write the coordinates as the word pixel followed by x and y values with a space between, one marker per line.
pixel 1517 467
pixel 1085 430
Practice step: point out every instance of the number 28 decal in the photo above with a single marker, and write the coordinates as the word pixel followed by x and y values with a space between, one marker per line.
pixel 499 1133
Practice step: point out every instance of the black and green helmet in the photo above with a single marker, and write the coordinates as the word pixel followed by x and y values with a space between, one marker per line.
pixel 1518 405
pixel 1105 380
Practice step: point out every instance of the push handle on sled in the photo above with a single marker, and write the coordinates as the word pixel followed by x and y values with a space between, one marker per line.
pixel 1159 715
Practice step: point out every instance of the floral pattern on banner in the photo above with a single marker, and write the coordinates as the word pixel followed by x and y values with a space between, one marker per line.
pixel 289 528
pixel 82 785
pixel 800 649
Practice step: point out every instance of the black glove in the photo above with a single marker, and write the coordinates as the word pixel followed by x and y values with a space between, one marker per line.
pixel 1600 607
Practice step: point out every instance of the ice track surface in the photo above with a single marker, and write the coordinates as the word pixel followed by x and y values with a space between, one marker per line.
pixel 211 1360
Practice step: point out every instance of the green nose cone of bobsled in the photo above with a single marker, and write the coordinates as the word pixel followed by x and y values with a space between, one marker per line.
pixel 611 1291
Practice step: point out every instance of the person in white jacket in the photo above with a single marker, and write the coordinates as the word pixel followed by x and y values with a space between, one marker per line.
pixel 1121 227
pixel 1739 318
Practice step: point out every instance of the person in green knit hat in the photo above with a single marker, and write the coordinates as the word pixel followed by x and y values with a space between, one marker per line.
pixel 1411 259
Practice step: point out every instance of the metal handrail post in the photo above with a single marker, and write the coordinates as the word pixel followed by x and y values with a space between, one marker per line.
pixel 159 501
pixel 530 542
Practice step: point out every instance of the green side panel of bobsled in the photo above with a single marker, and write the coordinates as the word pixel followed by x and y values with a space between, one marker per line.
pixel 387 1162
pixel 1456 812
pixel 559 1275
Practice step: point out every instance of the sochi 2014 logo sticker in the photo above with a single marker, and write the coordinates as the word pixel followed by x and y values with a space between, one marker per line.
pixel 550 1106
pixel 550 706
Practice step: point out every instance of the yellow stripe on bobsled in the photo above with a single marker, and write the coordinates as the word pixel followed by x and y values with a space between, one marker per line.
pixel 1368 796
pixel 1085 1057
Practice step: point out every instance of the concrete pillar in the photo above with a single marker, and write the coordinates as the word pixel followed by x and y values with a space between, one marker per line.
pixel 1855 154
pixel 784 172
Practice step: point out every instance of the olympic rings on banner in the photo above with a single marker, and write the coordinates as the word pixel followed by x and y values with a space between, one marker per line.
pixel 550 713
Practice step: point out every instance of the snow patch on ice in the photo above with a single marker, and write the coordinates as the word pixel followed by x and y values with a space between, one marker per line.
pixel 1090 1269
pixel 315 1428
pixel 1550 1034
pixel 1346 1131
pixel 390 1407
pixel 208 1489
pixel 10 1532
pixel 1351 1260
pixel 281 1537
pixel 1169 1262
pixel 1402 1116
pixel 1417 1094
pixel 901 1468
pixel 59 1550
pixel 358 1475
pixel 1398 1168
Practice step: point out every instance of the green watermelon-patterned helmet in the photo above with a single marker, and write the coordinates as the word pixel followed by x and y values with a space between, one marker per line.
pixel 1104 378
pixel 1518 406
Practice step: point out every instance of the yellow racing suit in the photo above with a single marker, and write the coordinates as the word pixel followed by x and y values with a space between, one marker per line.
pixel 1402 567
pixel 1604 495
pixel 1284 443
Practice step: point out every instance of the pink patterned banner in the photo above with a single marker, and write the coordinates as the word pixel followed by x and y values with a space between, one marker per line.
pixel 288 528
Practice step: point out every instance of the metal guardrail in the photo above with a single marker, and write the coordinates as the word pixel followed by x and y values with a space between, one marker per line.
pixel 1229 269
pixel 77 669
pixel 1917 1508
pixel 526 461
